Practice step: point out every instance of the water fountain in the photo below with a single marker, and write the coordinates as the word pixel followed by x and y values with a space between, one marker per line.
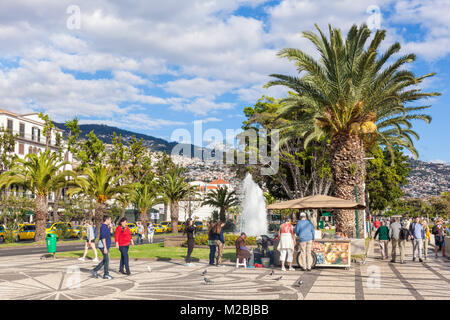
pixel 254 213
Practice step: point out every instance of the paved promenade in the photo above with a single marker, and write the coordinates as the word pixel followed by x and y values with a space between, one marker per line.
pixel 28 277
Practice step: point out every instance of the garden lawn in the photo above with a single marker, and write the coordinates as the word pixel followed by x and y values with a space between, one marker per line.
pixel 152 251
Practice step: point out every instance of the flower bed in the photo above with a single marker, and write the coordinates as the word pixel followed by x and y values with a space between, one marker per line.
pixel 230 239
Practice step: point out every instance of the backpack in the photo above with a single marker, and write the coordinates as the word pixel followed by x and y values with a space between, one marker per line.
pixel 404 234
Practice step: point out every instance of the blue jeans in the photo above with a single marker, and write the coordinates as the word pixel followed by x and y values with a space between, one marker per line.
pixel 124 258
pixel 139 238
pixel 212 254
pixel 104 263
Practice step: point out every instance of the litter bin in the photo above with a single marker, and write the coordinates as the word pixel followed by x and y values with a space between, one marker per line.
pixel 321 224
pixel 51 243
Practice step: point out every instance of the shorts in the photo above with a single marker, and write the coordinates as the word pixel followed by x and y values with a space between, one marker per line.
pixel 438 242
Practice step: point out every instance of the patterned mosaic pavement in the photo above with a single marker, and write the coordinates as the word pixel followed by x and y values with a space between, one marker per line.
pixel 28 277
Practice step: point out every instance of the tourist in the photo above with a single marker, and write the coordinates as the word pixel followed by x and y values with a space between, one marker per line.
pixel 408 223
pixel 219 241
pixel 417 235
pixel 211 243
pixel 398 240
pixel 140 233
pixel 90 241
pixel 426 239
pixel 305 231
pixel 150 231
pixel 104 244
pixel 286 244
pixel 190 231
pixel 242 252
pixel 383 237
pixel 123 238
pixel 439 237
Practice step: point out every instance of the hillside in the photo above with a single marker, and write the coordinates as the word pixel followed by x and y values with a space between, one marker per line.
pixel 427 179
pixel 106 134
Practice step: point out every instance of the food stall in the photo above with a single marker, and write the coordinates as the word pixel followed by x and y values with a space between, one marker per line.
pixel 333 251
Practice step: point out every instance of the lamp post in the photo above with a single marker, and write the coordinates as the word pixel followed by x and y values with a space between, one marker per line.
pixel 357 211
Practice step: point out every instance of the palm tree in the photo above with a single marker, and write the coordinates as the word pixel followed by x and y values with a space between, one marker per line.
pixel 351 97
pixel 221 198
pixel 101 184
pixel 174 189
pixel 144 197
pixel 41 174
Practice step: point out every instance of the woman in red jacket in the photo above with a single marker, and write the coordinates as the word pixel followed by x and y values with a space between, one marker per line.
pixel 123 239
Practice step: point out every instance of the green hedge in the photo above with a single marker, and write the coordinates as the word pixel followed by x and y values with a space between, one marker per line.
pixel 230 239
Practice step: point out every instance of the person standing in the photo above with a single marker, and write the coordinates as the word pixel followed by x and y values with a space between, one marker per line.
pixel 104 244
pixel 398 239
pixel 287 243
pixel 439 237
pixel 90 241
pixel 426 239
pixel 211 243
pixel 151 232
pixel 140 233
pixel 305 232
pixel 189 230
pixel 219 241
pixel 383 237
pixel 417 235
pixel 123 238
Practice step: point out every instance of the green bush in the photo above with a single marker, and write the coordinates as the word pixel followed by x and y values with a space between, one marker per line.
pixel 230 239
pixel 9 236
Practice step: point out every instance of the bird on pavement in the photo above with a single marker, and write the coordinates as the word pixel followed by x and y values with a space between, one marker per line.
pixel 204 272
pixel 207 281
pixel 298 283
pixel 272 273
pixel 279 278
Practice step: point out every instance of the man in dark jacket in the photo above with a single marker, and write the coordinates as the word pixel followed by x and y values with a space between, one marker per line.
pixel 104 245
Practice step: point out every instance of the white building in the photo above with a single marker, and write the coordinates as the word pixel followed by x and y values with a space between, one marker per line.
pixel 28 129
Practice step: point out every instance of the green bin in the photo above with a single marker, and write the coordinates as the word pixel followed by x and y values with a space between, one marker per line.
pixel 321 224
pixel 51 242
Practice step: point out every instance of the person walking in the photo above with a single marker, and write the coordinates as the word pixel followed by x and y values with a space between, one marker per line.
pixel 305 232
pixel 123 238
pixel 211 243
pixel 189 230
pixel 287 244
pixel 219 241
pixel 151 232
pixel 104 244
pixel 398 239
pixel 417 235
pixel 90 241
pixel 140 233
pixel 383 237
pixel 439 237
pixel 426 239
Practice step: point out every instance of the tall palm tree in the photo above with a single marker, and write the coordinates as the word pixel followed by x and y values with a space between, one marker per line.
pixel 41 174
pixel 145 196
pixel 101 184
pixel 221 198
pixel 354 99
pixel 174 188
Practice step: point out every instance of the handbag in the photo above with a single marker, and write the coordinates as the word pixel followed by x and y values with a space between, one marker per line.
pixel 100 244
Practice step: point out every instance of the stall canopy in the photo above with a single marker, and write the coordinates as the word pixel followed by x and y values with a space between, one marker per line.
pixel 317 202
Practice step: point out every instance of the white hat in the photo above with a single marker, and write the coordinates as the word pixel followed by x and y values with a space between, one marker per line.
pixel 302 214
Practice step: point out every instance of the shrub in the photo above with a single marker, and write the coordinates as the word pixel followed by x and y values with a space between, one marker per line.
pixel 230 239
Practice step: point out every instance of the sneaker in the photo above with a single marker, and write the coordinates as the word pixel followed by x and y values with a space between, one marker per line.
pixel 80 259
pixel 94 274
pixel 309 270
pixel 122 272
pixel 107 277
pixel 128 272
pixel 414 259
pixel 393 261
pixel 283 269
pixel 420 260
pixel 95 260
pixel 291 269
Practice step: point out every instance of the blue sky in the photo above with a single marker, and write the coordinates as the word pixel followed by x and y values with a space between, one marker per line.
pixel 157 66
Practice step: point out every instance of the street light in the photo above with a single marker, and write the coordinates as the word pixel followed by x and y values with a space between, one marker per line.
pixel 356 211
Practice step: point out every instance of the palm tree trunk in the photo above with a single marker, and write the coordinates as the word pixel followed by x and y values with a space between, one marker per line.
pixel 100 210
pixel 174 211
pixel 143 218
pixel 40 216
pixel 222 215
pixel 56 206
pixel 348 170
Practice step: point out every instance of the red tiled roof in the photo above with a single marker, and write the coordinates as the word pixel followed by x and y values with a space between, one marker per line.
pixel 219 181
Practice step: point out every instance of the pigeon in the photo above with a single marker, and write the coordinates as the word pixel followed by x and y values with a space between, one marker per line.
pixel 272 273
pixel 149 269
pixel 207 281
pixel 298 283
pixel 204 272
pixel 279 278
